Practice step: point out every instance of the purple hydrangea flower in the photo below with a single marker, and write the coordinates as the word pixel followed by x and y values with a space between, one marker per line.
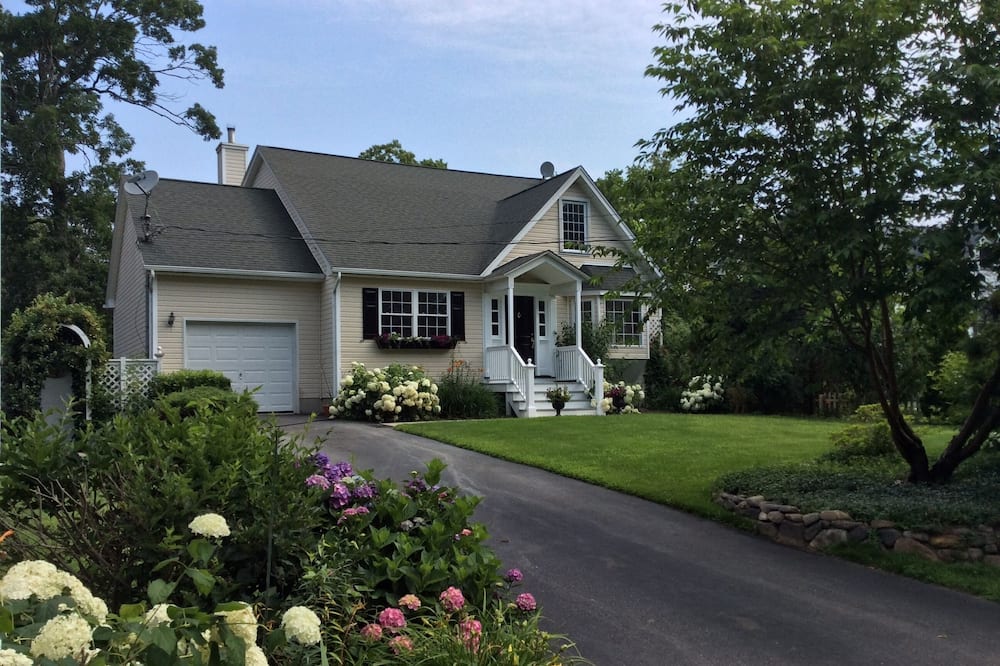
pixel 513 576
pixel 318 480
pixel 341 496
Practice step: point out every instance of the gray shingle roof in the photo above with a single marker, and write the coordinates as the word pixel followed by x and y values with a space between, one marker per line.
pixel 392 217
pixel 220 226
pixel 608 278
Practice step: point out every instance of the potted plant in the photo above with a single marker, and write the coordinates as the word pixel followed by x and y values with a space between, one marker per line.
pixel 558 396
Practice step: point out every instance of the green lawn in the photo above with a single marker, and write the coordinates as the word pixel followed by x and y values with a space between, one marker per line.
pixel 675 459
pixel 668 458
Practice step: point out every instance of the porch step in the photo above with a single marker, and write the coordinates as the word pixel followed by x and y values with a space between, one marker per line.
pixel 577 405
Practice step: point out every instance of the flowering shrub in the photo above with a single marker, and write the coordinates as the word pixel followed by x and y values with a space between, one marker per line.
pixel 703 394
pixel 50 616
pixel 450 630
pixel 397 393
pixel 622 398
pixel 557 394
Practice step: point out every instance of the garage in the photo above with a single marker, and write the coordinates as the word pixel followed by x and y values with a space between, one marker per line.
pixel 251 354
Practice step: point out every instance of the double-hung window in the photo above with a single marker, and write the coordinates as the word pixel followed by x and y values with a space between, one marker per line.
pixel 412 313
pixel 573 216
pixel 627 319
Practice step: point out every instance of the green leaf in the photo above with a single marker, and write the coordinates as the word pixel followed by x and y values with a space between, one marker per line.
pixel 159 591
pixel 201 551
pixel 6 620
pixel 203 580
pixel 129 611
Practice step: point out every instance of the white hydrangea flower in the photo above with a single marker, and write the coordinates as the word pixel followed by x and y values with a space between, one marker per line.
pixel 255 657
pixel 12 658
pixel 157 615
pixel 243 623
pixel 30 577
pixel 211 525
pixel 62 636
pixel 302 625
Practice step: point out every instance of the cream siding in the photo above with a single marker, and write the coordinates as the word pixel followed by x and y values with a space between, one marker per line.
pixel 130 320
pixel 327 342
pixel 232 163
pixel 435 362
pixel 544 235
pixel 201 298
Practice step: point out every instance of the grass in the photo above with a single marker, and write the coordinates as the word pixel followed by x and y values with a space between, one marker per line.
pixel 672 459
pixel 677 460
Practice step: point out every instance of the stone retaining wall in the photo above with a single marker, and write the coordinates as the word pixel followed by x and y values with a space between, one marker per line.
pixel 788 525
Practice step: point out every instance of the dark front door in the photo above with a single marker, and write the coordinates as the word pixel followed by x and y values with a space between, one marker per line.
pixel 524 327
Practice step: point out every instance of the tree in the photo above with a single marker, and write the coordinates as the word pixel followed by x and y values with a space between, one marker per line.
pixel 62 62
pixel 394 153
pixel 838 160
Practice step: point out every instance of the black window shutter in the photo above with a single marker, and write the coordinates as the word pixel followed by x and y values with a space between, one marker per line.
pixel 458 315
pixel 369 313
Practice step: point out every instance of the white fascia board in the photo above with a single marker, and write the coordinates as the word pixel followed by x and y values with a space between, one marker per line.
pixel 366 272
pixel 237 273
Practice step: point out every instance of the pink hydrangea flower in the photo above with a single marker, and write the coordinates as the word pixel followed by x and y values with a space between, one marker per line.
pixel 355 511
pixel 319 481
pixel 372 632
pixel 464 533
pixel 525 602
pixel 470 630
pixel 513 576
pixel 410 602
pixel 391 619
pixel 400 644
pixel 452 599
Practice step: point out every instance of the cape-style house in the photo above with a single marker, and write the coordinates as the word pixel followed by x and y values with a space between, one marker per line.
pixel 298 264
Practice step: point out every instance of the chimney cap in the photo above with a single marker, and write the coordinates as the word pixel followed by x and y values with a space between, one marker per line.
pixel 231 132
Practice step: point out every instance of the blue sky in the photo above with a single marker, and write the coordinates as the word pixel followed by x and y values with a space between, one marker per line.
pixel 494 86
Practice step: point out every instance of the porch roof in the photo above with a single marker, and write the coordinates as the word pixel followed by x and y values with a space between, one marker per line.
pixel 606 278
pixel 546 265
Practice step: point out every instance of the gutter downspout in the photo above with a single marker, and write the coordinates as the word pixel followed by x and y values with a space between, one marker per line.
pixel 152 337
pixel 335 342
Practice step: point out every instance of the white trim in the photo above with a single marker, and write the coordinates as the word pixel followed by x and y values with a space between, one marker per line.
pixel 151 318
pixel 350 272
pixel 577 174
pixel 239 273
pixel 415 309
pixel 549 258
pixel 335 343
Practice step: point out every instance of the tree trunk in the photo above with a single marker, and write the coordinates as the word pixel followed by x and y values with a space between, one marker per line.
pixel 983 420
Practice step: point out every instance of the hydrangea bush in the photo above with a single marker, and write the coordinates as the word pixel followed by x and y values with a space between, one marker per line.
pixel 622 398
pixel 704 393
pixel 396 393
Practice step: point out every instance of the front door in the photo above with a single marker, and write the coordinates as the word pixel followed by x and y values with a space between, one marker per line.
pixel 524 327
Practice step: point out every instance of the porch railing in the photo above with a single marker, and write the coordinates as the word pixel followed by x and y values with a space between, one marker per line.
pixel 573 364
pixel 504 364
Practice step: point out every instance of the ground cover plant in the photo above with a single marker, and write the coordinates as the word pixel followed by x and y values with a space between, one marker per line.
pixel 210 537
pixel 678 459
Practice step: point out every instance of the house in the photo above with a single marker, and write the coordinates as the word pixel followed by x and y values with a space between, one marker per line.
pixel 297 264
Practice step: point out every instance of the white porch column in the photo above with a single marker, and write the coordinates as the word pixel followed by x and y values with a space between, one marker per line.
pixel 510 312
pixel 579 314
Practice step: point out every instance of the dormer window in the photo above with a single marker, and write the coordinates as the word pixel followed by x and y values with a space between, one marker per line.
pixel 574 226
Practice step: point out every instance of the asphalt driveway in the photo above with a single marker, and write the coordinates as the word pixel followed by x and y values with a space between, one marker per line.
pixel 636 583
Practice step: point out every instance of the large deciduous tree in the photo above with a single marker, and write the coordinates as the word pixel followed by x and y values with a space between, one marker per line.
pixel 395 153
pixel 63 61
pixel 839 161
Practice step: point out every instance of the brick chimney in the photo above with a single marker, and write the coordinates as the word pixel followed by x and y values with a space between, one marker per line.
pixel 232 159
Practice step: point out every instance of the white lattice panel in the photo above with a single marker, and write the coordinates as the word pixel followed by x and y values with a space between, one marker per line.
pixel 122 378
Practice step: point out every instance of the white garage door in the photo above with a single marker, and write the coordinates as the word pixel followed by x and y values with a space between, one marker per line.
pixel 251 355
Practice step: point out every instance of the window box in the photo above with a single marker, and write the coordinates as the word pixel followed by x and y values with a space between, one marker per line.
pixel 392 341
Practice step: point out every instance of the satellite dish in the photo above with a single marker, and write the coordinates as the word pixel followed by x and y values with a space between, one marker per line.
pixel 142 183
pixel 548 170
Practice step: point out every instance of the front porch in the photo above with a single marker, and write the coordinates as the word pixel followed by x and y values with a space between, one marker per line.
pixel 525 305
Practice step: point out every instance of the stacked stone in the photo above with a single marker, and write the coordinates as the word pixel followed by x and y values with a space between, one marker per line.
pixel 817 530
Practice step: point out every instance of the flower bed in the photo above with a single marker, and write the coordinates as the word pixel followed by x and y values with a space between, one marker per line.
pixel 622 398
